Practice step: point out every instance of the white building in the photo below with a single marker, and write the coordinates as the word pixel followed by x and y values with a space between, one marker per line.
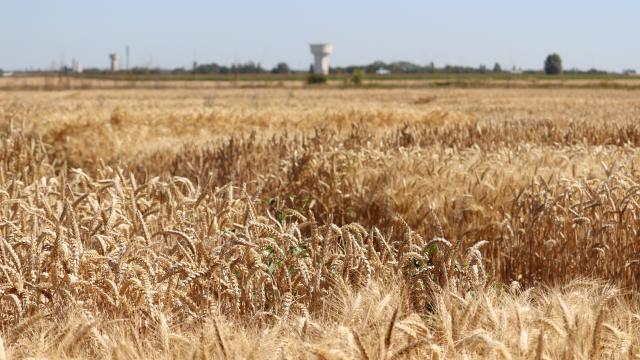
pixel 76 67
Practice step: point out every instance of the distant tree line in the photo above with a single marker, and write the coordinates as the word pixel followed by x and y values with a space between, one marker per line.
pixel 399 67
pixel 552 66
pixel 405 67
pixel 211 68
pixel 214 68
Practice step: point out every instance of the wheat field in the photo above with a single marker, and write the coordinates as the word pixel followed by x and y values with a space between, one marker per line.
pixel 320 223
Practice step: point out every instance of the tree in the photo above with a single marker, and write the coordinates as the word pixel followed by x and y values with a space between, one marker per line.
pixel 247 68
pixel 497 68
pixel 374 67
pixel 210 69
pixel 553 64
pixel 403 67
pixel 357 76
pixel 281 68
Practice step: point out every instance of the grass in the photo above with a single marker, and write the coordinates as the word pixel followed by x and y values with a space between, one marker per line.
pixel 319 223
pixel 54 81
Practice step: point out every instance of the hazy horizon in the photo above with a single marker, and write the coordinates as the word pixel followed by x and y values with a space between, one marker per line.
pixel 41 34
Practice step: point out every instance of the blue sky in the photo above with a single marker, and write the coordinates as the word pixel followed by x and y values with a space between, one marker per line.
pixel 40 33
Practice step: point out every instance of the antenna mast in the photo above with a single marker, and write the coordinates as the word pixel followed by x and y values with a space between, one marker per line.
pixel 127 55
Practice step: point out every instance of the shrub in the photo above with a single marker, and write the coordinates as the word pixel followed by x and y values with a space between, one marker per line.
pixel 314 78
pixel 357 77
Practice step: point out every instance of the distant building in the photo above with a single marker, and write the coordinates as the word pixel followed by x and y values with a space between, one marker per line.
pixel 382 71
pixel 515 70
pixel 76 67
pixel 629 72
pixel 114 62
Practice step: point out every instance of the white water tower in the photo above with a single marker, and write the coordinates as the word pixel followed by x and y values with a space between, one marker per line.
pixel 321 54
pixel 114 62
